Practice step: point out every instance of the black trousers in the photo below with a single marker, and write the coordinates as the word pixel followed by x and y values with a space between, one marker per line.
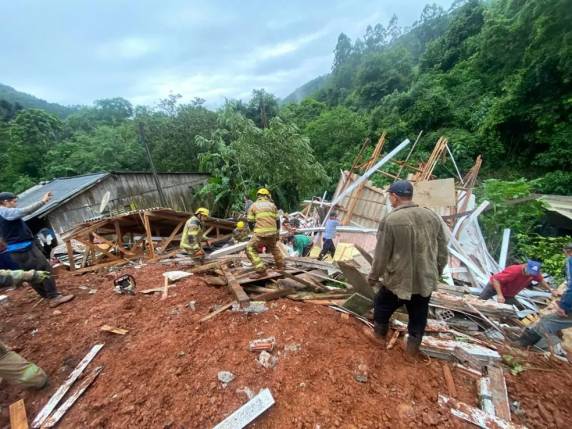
pixel 386 302
pixel 327 247
pixel 34 259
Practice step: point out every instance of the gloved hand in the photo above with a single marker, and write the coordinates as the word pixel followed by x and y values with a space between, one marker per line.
pixel 41 275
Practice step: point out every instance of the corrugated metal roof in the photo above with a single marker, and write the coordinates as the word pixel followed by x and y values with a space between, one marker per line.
pixel 62 189
pixel 560 204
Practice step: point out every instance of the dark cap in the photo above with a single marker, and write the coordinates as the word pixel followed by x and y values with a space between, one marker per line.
pixel 7 196
pixel 568 246
pixel 402 188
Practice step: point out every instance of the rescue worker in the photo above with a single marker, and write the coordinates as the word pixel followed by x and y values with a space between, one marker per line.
pixel 193 235
pixel 241 232
pixel 301 243
pixel 264 220
pixel 13 367
pixel 558 315
pixel 508 283
pixel 22 247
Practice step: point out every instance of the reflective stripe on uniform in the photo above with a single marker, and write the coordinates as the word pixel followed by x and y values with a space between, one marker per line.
pixel 265 230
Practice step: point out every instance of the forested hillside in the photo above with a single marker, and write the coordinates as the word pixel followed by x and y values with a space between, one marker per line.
pixel 11 99
pixel 494 77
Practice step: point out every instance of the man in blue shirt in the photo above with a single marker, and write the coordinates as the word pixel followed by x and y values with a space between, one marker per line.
pixel 561 318
pixel 329 235
pixel 22 247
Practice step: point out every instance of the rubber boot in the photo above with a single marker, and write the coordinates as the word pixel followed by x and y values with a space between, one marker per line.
pixel 381 330
pixel 528 338
pixel 412 347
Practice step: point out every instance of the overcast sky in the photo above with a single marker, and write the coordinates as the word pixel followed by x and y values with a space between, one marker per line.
pixel 77 51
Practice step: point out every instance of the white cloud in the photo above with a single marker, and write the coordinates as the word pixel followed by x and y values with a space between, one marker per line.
pixel 127 48
pixel 279 49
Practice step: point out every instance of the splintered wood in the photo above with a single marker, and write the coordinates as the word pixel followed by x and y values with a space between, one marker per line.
pixel 18 417
pixel 474 415
pixel 63 389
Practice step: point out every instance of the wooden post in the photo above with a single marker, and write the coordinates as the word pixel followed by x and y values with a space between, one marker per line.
pixel 147 226
pixel 118 235
pixel 70 255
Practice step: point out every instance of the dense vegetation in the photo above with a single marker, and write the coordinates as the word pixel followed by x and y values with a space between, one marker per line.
pixel 494 77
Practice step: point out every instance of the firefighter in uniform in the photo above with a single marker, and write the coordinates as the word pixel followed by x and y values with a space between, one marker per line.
pixel 13 367
pixel 263 219
pixel 241 232
pixel 193 235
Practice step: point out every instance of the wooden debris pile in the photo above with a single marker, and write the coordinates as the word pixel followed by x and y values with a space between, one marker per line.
pixel 137 235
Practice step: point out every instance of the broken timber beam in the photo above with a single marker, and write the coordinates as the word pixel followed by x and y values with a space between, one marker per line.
pixel 357 280
pixel 236 288
pixel 62 390
pixel 499 393
pixel 87 381
pixel 474 415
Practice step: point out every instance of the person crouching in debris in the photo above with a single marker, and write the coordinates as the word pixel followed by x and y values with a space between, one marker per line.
pixel 302 244
pixel 22 246
pixel 193 235
pixel 553 322
pixel 510 281
pixel 328 246
pixel 13 367
pixel 240 233
pixel 263 219
pixel 410 255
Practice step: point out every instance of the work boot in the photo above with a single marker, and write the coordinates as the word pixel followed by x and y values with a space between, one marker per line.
pixel 381 330
pixel 412 347
pixel 60 299
pixel 258 275
pixel 528 338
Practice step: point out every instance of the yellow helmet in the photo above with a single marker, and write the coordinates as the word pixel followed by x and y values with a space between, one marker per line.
pixel 263 191
pixel 202 211
pixel 240 224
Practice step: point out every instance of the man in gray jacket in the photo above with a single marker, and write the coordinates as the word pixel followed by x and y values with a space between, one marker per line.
pixel 410 255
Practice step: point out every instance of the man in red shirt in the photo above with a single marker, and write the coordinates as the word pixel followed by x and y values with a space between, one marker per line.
pixel 510 281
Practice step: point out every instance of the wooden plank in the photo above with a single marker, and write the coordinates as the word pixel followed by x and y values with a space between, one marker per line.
pixel 236 288
pixel 112 245
pixel 435 193
pixel 118 235
pixel 216 312
pixel 499 392
pixel 449 381
pixel 474 415
pixel 164 244
pixel 118 331
pixel 18 417
pixel 368 256
pixel 95 248
pixel 280 293
pixel 87 381
pixel 62 390
pixel 206 267
pixel 155 289
pixel 70 255
pixel 100 266
pixel 357 280
pixel 304 281
pixel 248 412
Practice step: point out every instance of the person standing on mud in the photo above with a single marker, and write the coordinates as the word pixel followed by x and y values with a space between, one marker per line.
pixel 410 255
pixel 22 246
